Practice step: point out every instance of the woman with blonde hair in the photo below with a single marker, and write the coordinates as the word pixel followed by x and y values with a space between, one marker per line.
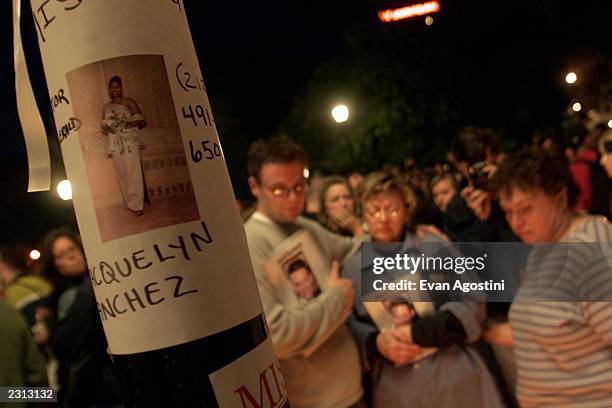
pixel 399 373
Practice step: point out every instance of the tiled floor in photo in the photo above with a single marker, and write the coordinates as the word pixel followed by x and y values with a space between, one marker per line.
pixel 118 221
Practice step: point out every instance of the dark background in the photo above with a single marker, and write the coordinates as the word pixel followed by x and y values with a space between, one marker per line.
pixel 279 68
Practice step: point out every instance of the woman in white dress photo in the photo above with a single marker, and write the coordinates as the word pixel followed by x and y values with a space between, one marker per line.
pixel 121 123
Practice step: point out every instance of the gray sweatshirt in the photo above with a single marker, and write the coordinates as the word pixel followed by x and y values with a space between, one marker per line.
pixel 317 355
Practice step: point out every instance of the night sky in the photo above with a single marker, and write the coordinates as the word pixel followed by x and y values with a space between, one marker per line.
pixel 502 64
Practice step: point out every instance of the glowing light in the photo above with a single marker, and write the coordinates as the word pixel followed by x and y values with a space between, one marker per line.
pixel 571 78
pixel 34 254
pixel 402 13
pixel 340 113
pixel 306 173
pixel 610 123
pixel 64 190
pixel 576 107
pixel 429 20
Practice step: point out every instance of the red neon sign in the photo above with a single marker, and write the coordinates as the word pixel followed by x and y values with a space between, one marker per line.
pixel 390 15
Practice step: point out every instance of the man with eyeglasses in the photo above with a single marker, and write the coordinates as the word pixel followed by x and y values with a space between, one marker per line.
pixel 329 376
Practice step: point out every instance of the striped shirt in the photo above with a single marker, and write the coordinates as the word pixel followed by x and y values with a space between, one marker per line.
pixel 563 349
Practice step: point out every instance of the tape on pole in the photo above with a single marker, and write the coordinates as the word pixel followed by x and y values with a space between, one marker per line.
pixel 39 163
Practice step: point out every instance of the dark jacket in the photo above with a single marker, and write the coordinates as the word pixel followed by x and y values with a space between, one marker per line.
pixel 85 370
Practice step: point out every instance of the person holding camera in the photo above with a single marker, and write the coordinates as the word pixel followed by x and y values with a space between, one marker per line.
pixel 476 154
pixel 458 221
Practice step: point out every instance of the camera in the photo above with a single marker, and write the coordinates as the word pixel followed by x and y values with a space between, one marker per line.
pixel 478 176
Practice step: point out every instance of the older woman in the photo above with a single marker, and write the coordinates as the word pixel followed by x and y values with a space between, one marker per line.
pixel 337 207
pixel 454 376
pixel 563 349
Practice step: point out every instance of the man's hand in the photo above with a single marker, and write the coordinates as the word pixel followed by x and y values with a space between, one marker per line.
pixel 344 284
pixel 479 201
pixel 395 345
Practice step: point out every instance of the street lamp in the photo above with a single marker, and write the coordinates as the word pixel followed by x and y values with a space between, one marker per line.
pixel 576 107
pixel 571 78
pixel 340 113
pixel 64 190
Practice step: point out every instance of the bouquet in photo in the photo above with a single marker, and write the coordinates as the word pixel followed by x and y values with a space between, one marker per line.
pixel 114 123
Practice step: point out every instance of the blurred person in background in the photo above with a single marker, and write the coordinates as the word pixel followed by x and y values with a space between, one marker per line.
pixel 473 145
pixel 424 211
pixel 21 364
pixel 563 349
pixel 582 155
pixel 476 153
pixel 24 291
pixel 337 207
pixel 454 376
pixel 605 150
pixel 85 372
pixel 599 177
pixel 458 221
pixel 587 173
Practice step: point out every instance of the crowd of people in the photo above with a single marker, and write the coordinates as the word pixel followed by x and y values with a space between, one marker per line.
pixel 54 335
pixel 527 353
pixel 332 353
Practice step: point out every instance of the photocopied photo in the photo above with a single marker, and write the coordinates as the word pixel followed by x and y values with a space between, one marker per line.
pixel 389 314
pixel 297 268
pixel 302 279
pixel 132 145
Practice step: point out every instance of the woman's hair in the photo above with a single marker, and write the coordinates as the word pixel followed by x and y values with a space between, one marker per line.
pixel 330 181
pixel 605 141
pixel 46 265
pixel 533 168
pixel 386 181
pixel 453 177
pixel 117 79
pixel 15 257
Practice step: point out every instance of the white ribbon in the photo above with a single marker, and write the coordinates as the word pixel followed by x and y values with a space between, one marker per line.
pixel 34 133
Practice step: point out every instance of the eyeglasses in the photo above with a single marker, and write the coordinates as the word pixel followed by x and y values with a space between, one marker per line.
pixel 377 213
pixel 278 191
